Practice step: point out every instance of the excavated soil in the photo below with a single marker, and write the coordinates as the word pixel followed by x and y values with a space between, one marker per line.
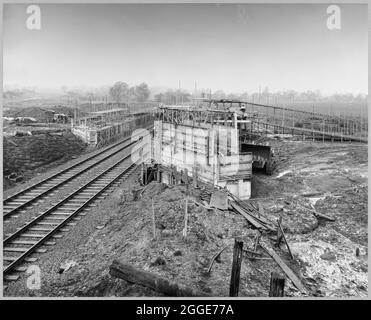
pixel 26 156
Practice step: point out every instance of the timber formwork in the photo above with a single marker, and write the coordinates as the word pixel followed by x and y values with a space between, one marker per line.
pixel 98 135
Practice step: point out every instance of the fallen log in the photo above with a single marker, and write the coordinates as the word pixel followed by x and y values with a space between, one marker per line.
pixel 133 275
pixel 286 269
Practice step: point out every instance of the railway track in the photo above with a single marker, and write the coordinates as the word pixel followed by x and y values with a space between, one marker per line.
pixel 25 198
pixel 36 235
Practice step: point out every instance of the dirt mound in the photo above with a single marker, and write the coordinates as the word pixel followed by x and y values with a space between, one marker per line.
pixel 63 109
pixel 22 155
pixel 40 114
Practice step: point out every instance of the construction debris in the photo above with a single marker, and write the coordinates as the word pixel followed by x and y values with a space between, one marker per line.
pixel 68 264
pixel 286 269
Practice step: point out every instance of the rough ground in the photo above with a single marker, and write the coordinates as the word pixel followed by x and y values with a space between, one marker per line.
pixel 26 156
pixel 331 176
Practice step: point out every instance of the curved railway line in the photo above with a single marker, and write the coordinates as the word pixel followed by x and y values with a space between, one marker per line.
pixel 35 235
pixel 25 198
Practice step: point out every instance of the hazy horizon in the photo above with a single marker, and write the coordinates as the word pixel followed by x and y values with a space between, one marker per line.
pixel 234 48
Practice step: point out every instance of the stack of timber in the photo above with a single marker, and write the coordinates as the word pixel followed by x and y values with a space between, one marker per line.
pixel 251 214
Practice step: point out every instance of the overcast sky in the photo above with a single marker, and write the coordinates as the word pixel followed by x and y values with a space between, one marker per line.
pixel 230 47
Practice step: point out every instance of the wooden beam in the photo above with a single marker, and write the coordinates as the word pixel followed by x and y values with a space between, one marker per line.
pixel 133 275
pixel 286 269
pixel 248 217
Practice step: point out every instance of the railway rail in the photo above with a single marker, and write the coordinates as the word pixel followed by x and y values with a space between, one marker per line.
pixel 36 235
pixel 25 198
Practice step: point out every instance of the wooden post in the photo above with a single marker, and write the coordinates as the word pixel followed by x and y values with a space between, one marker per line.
pixel 279 233
pixel 146 174
pixel 277 285
pixel 141 166
pixel 257 238
pixel 153 220
pixel 185 218
pixel 158 174
pixel 195 178
pixel 236 268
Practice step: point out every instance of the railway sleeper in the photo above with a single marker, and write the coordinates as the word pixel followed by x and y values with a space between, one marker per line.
pixel 81 200
pixel 12 277
pixel 39 250
pixel 11 259
pixel 24 242
pixel 56 218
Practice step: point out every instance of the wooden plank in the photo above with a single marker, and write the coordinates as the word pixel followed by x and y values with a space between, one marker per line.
pixel 244 206
pixel 249 218
pixel 286 269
